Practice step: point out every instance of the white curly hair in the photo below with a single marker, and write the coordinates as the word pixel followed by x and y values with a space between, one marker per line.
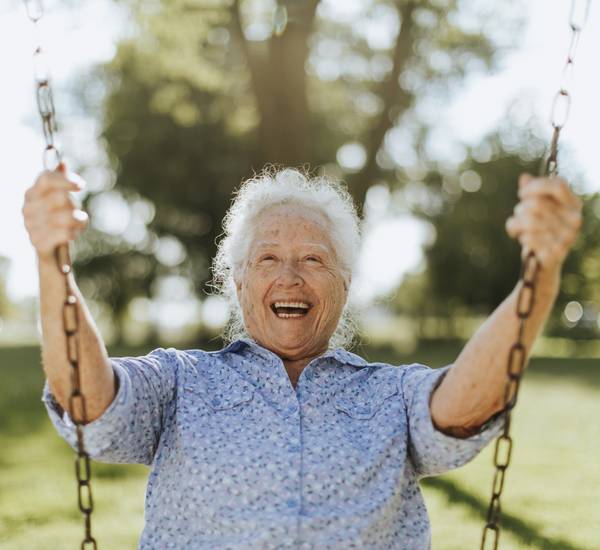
pixel 272 187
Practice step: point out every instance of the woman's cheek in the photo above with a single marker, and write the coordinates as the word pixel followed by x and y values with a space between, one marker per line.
pixel 334 298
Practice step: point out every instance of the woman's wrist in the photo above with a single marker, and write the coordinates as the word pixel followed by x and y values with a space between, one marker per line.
pixel 548 280
pixel 45 260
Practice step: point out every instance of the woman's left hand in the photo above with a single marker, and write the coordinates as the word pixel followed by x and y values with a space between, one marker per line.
pixel 546 220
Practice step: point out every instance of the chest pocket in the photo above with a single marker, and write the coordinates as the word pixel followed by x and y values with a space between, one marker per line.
pixel 362 399
pixel 215 419
pixel 220 395
pixel 213 387
pixel 212 408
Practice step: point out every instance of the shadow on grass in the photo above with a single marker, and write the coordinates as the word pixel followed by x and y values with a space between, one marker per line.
pixel 526 532
pixel 102 470
pixel 12 525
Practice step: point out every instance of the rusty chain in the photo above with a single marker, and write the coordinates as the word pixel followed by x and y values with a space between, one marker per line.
pixel 517 357
pixel 77 404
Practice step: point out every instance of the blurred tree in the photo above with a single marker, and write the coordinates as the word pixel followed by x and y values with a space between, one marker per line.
pixel 5 303
pixel 205 91
pixel 472 264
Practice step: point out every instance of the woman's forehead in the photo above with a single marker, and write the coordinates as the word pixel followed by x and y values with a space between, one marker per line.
pixel 268 244
pixel 286 224
pixel 301 211
pixel 292 220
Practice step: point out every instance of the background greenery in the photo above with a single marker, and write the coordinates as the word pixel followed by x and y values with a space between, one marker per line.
pixel 203 93
pixel 550 500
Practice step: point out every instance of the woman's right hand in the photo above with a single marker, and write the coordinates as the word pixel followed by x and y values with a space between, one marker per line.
pixel 51 215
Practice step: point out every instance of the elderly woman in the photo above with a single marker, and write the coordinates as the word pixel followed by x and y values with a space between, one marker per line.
pixel 283 439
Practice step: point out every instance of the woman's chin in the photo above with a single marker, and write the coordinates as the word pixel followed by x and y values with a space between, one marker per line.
pixel 292 343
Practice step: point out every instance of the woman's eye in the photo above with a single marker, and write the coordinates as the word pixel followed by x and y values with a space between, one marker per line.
pixel 312 259
pixel 267 258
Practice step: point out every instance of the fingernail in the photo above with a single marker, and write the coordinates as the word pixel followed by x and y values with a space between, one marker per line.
pixel 80 215
pixel 76 179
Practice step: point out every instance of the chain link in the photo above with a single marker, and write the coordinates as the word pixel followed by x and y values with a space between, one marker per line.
pixel 52 160
pixel 517 357
pixel 280 18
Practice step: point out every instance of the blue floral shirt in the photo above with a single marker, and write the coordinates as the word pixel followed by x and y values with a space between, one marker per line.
pixel 240 460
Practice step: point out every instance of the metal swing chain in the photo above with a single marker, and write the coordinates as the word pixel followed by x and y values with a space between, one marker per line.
pixel 526 297
pixel 77 403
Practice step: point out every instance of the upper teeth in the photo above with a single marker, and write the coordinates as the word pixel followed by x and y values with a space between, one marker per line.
pixel 292 304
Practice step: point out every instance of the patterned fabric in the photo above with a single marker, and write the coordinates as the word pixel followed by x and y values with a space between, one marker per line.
pixel 241 460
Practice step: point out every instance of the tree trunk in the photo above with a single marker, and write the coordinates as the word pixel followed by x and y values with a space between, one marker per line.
pixel 277 69
pixel 395 102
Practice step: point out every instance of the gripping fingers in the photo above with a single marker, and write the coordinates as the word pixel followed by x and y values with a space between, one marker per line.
pixel 512 227
pixel 65 226
pixel 550 249
pixel 546 220
pixel 49 181
pixel 556 189
pixel 524 221
pixel 58 199
pixel 51 212
pixel 550 244
pixel 540 213
pixel 72 219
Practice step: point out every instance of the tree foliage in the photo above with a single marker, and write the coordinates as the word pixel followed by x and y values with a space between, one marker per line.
pixel 472 264
pixel 203 92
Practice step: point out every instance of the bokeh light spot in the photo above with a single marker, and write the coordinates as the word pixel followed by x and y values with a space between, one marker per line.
pixel 573 312
pixel 470 181
pixel 351 156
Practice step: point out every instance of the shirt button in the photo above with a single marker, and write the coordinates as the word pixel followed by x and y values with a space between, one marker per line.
pixel 293 408
pixel 294 448
pixel 291 503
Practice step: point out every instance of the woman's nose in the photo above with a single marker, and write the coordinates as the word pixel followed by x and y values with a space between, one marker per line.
pixel 289 275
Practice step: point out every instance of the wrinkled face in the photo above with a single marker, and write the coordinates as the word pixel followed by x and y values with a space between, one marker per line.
pixel 291 289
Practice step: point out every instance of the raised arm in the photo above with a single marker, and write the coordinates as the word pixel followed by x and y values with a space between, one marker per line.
pixel 52 218
pixel 546 220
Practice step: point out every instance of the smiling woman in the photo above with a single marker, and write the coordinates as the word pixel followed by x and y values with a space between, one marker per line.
pixel 288 201
pixel 284 439
pixel 285 265
pixel 291 289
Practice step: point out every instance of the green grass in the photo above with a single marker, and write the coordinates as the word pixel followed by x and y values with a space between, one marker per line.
pixel 550 501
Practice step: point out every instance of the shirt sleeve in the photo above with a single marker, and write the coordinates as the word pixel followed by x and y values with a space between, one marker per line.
pixel 432 451
pixel 129 429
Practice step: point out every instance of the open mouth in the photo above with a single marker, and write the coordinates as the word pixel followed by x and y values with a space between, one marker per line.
pixel 290 310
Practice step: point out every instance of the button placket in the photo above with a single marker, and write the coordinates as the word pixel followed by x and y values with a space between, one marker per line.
pixel 293 448
pixel 293 445
pixel 292 408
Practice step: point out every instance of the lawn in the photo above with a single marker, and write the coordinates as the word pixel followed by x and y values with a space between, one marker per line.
pixel 550 501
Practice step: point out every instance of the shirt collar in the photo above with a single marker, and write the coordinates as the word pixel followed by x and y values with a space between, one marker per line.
pixel 339 354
